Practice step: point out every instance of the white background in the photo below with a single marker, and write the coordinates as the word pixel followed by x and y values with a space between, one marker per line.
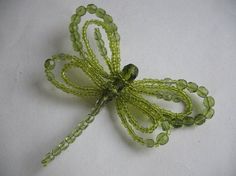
pixel 194 40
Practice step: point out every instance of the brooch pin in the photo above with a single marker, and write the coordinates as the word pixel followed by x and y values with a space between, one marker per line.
pixel 120 85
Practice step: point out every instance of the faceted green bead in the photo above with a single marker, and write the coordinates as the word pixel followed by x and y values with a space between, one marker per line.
pixel 81 10
pixel 91 8
pixel 209 102
pixel 48 157
pixel 149 142
pixel 100 13
pixel 113 27
pixel 117 36
pixel 202 91
pixel 167 96
pixel 188 121
pixel 77 133
pixel 181 84
pixel 177 123
pixel 199 119
pixel 77 36
pixel 56 151
pixel 192 87
pixel 64 145
pixel 79 45
pixel 107 18
pixel 49 64
pixel 176 99
pixel 90 119
pixel 165 126
pixel 209 113
pixel 162 138
pixel 73 17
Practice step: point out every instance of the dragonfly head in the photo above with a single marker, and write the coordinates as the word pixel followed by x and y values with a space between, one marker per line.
pixel 129 72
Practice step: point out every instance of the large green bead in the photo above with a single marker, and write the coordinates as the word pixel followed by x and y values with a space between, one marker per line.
pixel 202 91
pixel 100 13
pixel 209 102
pixel 188 121
pixel 199 119
pixel 177 123
pixel 165 126
pixel 81 10
pixel 49 64
pixel 162 138
pixel 181 84
pixel 209 113
pixel 91 8
pixel 192 87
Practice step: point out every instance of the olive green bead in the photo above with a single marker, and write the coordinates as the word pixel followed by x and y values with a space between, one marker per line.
pixel 70 139
pixel 209 101
pixel 49 64
pixel 177 123
pixel 73 17
pixel 91 8
pixel 90 119
pixel 117 36
pixel 56 151
pixel 81 10
pixel 77 133
pixel 149 142
pixel 107 18
pixel 71 27
pixel 176 99
pixel 97 34
pixel 165 126
pixel 112 27
pixel 209 113
pixel 188 121
pixel 50 76
pixel 162 138
pixel 167 97
pixel 100 13
pixel 199 119
pixel 192 87
pixel 202 92
pixel 159 95
pixel 64 145
pixel 181 84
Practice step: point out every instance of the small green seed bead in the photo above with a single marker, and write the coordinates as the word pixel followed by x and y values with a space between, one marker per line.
pixel 100 13
pixel 73 17
pixel 75 47
pixel 77 36
pixel 181 84
pixel 209 102
pixel 192 87
pixel 107 19
pixel 49 64
pixel 90 119
pixel 177 123
pixel 162 138
pixel 188 121
pixel 165 126
pixel 81 10
pixel 48 157
pixel 56 151
pixel 70 139
pixel 199 119
pixel 149 142
pixel 91 8
pixel 77 20
pixel 209 113
pixel 79 45
pixel 202 92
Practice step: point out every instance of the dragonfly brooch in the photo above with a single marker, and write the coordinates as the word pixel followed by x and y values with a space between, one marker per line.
pixel 120 85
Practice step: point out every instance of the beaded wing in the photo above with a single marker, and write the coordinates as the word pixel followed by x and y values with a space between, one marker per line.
pixel 139 115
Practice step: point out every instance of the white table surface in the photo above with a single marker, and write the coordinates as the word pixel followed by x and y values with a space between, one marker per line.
pixel 194 40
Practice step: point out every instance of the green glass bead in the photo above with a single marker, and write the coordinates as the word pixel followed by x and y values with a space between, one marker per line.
pixel 50 76
pixel 181 84
pixel 162 138
pixel 77 133
pixel 48 157
pixel 149 142
pixel 103 51
pixel 56 151
pixel 159 95
pixel 91 8
pixel 64 145
pixel 209 101
pixel 49 64
pixel 177 123
pixel 209 113
pixel 199 119
pixel 165 126
pixel 100 13
pixel 167 97
pixel 70 139
pixel 81 10
pixel 202 92
pixel 188 121
pixel 77 20
pixel 176 99
pixel 73 17
pixel 117 36
pixel 107 18
pixel 112 27
pixel 71 27
pixel 97 34
pixel 192 87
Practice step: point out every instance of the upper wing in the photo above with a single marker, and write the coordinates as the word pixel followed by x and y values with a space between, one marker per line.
pixel 65 82
pixel 178 91
pixel 82 44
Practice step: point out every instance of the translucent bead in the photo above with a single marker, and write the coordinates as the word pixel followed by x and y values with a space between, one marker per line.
pixel 103 51
pixel 97 34
pixel 202 91
pixel 77 133
pixel 176 99
pixel 48 157
pixel 113 27
pixel 64 145
pixel 167 96
pixel 100 13
pixel 73 17
pixel 162 138
pixel 159 95
pixel 70 139
pixel 56 151
pixel 81 10
pixel 49 64
pixel 91 8
pixel 107 18
pixel 181 84
pixel 149 142
pixel 199 119
pixel 177 123
pixel 209 102
pixel 50 76
pixel 192 87
pixel 188 121
pixel 209 113
pixel 90 119
pixel 165 126
pixel 117 36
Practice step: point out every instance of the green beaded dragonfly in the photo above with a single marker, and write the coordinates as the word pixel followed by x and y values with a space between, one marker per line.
pixel 120 85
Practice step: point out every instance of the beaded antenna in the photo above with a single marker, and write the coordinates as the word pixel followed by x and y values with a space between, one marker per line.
pixel 120 85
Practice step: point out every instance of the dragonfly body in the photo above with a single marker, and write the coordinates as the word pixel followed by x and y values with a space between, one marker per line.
pixel 121 86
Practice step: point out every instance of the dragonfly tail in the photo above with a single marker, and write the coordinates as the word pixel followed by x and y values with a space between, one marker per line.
pixel 76 132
